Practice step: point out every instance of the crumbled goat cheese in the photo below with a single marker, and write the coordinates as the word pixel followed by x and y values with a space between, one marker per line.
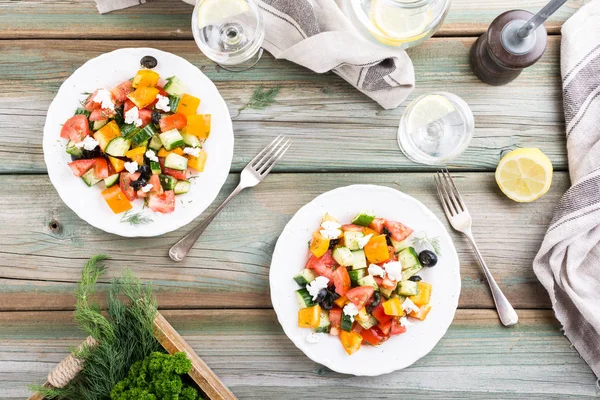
pixel 131 167
pixel 132 116
pixel 88 143
pixel 192 151
pixel 147 188
pixel 162 103
pixel 394 270
pixel 409 306
pixel 350 310
pixel 405 322
pixel 331 230
pixel 315 286
pixel 151 155
pixel 362 242
pixel 376 270
pixel 104 98
pixel 313 338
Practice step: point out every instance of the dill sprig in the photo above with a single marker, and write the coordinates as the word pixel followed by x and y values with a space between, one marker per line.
pixel 123 336
pixel 261 99
pixel 139 218
pixel 425 240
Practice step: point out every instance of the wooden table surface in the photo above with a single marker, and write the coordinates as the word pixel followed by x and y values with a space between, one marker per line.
pixel 218 298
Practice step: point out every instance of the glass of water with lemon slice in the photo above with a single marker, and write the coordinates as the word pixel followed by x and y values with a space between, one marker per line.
pixel 436 128
pixel 229 32
pixel 398 23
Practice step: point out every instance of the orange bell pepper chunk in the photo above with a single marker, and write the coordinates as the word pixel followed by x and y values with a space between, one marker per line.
pixel 197 163
pixel 341 301
pixel 351 341
pixel 116 199
pixel 377 250
pixel 422 313
pixel 143 96
pixel 424 295
pixel 393 307
pixel 145 78
pixel 107 133
pixel 198 125
pixel 318 245
pixel 164 153
pixel 188 105
pixel 309 317
pixel 137 154
pixel 118 165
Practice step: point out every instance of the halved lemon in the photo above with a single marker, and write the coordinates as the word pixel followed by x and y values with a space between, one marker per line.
pixel 524 175
pixel 427 110
pixel 214 12
pixel 399 24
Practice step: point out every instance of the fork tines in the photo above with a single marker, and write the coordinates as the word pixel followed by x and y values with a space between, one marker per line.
pixel 270 155
pixel 449 196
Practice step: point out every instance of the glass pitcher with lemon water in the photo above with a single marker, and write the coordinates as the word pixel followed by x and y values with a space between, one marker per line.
pixel 397 23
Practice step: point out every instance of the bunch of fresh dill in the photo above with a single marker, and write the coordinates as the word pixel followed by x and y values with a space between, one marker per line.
pixel 122 337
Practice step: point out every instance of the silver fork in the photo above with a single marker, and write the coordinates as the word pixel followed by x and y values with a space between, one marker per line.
pixel 461 220
pixel 251 175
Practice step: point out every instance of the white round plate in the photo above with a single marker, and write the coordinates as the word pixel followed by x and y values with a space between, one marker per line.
pixel 107 71
pixel 291 254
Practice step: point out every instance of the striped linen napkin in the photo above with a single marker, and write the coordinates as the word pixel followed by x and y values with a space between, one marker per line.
pixel 568 263
pixel 317 35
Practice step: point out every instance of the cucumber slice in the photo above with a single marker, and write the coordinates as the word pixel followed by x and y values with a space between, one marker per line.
pixel 191 140
pixel 325 324
pixel 155 143
pixel 167 182
pixel 363 219
pixel 141 136
pixel 351 240
pixel 90 178
pixel 343 256
pixel 387 293
pixel 99 124
pixel 127 130
pixel 111 180
pixel 359 259
pixel 174 102
pixel 407 273
pixel 171 139
pixel 182 187
pixel 174 86
pixel 304 298
pixel 369 322
pixel 117 147
pixel 408 258
pixel 399 246
pixel 408 288
pixel 175 161
pixel 305 277
pixel 368 280
pixel 346 324
pixel 73 149
pixel 155 167
pixel 355 275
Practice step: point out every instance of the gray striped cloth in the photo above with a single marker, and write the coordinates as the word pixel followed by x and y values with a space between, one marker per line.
pixel 317 35
pixel 568 263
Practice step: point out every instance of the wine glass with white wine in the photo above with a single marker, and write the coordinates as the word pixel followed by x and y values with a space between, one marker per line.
pixel 229 32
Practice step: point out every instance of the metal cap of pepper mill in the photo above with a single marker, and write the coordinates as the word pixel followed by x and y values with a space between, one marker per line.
pixel 515 40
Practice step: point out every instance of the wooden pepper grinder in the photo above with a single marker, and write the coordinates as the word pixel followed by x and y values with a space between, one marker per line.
pixel 515 40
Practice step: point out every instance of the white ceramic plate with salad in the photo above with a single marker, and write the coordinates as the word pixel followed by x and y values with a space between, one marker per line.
pixel 114 74
pixel 403 325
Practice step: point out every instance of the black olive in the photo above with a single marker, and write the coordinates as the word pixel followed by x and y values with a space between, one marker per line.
pixel 75 157
pixel 333 243
pixel 415 278
pixel 148 62
pixel 138 184
pixel 156 116
pixel 428 258
pixel 326 304
pixel 388 237
pixel 376 299
pixel 321 296
pixel 334 295
pixel 89 154
pixel 145 172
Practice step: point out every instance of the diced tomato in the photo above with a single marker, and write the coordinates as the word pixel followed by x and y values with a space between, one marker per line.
pixel 127 105
pixel 397 329
pixel 341 280
pixel 352 228
pixel 335 317
pixel 378 280
pixel 120 92
pixel 100 114
pixel 125 183
pixel 100 168
pixel 163 203
pixel 80 167
pixel 387 283
pixel 360 295
pixel 377 225
pixel 145 116
pixel 373 336
pixel 322 265
pixel 76 128
pixel 175 121
pixel 89 104
pixel 156 187
pixel 380 314
pixel 385 327
pixel 398 231
pixel 357 328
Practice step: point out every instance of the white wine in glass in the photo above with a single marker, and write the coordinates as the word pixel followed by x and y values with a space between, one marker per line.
pixel 229 32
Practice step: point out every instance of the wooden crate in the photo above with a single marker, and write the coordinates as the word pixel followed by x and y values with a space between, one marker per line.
pixel 208 382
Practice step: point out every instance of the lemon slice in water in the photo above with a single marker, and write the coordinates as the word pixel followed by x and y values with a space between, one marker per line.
pixel 524 175
pixel 397 23
pixel 214 12
pixel 429 109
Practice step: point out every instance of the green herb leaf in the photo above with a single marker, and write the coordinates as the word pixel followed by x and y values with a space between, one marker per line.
pixel 139 218
pixel 425 240
pixel 261 99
